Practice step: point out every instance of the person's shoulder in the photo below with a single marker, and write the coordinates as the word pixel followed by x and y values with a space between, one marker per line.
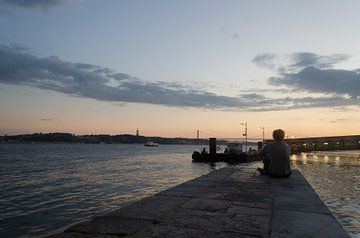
pixel 271 144
pixel 278 145
pixel 268 147
pixel 284 143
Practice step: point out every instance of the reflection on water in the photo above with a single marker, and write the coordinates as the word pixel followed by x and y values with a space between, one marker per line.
pixel 331 157
pixel 336 178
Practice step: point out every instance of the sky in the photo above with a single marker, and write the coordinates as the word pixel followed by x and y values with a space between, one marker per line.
pixel 169 68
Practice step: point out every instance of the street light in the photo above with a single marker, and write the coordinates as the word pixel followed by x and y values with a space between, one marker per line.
pixel 263 133
pixel 245 134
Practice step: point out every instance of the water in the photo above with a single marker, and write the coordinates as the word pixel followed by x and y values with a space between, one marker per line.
pixel 335 176
pixel 46 187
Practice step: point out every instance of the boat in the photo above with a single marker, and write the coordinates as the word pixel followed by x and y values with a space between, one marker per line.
pixel 151 144
pixel 233 154
pixel 234 148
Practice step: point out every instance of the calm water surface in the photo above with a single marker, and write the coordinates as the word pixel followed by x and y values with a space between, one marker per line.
pixel 335 176
pixel 45 187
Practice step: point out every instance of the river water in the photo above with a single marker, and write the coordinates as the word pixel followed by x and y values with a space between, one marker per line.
pixel 46 187
pixel 335 176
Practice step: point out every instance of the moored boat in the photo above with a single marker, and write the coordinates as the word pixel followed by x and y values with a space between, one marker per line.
pixel 151 144
pixel 233 154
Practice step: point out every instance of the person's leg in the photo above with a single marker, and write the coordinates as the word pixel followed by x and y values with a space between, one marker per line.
pixel 265 169
pixel 266 163
pixel 262 171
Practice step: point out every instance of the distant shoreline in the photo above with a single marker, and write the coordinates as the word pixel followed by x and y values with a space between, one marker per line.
pixel 68 138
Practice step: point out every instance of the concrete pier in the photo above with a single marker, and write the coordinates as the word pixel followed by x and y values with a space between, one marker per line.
pixel 229 202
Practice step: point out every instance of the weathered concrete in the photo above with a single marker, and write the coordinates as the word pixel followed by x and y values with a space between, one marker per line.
pixel 226 203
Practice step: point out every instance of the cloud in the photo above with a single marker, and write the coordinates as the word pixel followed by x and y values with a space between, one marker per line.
pixel 297 61
pixel 235 36
pixel 339 120
pixel 19 67
pixel 306 59
pixel 310 72
pixel 33 4
pixel 48 119
pixel 266 60
pixel 331 81
pixel 5 12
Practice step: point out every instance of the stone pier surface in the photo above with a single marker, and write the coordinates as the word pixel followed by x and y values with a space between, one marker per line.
pixel 226 203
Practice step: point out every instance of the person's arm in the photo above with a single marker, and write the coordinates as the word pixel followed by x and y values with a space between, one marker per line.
pixel 264 151
pixel 261 155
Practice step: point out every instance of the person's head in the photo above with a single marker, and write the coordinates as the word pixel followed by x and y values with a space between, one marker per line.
pixel 278 135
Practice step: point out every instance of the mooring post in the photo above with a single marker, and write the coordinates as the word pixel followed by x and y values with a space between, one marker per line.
pixel 212 145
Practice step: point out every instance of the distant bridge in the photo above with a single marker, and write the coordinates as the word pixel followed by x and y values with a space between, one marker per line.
pixel 351 142
pixel 304 144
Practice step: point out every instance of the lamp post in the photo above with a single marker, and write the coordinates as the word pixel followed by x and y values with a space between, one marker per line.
pixel 245 134
pixel 263 133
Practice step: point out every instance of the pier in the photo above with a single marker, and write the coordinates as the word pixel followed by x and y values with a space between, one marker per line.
pixel 229 202
pixel 351 142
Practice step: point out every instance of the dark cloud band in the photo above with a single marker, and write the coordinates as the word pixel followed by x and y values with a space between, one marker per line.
pixel 332 81
pixel 310 72
pixel 45 4
pixel 19 67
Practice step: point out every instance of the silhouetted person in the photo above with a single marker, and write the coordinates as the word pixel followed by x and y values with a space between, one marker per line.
pixel 277 161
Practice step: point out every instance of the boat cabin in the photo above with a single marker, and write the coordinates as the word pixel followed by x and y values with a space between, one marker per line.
pixel 234 148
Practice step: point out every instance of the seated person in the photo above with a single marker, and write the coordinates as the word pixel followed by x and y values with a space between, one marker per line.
pixel 277 163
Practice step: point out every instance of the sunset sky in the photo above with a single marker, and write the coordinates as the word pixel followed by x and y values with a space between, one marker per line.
pixel 172 67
